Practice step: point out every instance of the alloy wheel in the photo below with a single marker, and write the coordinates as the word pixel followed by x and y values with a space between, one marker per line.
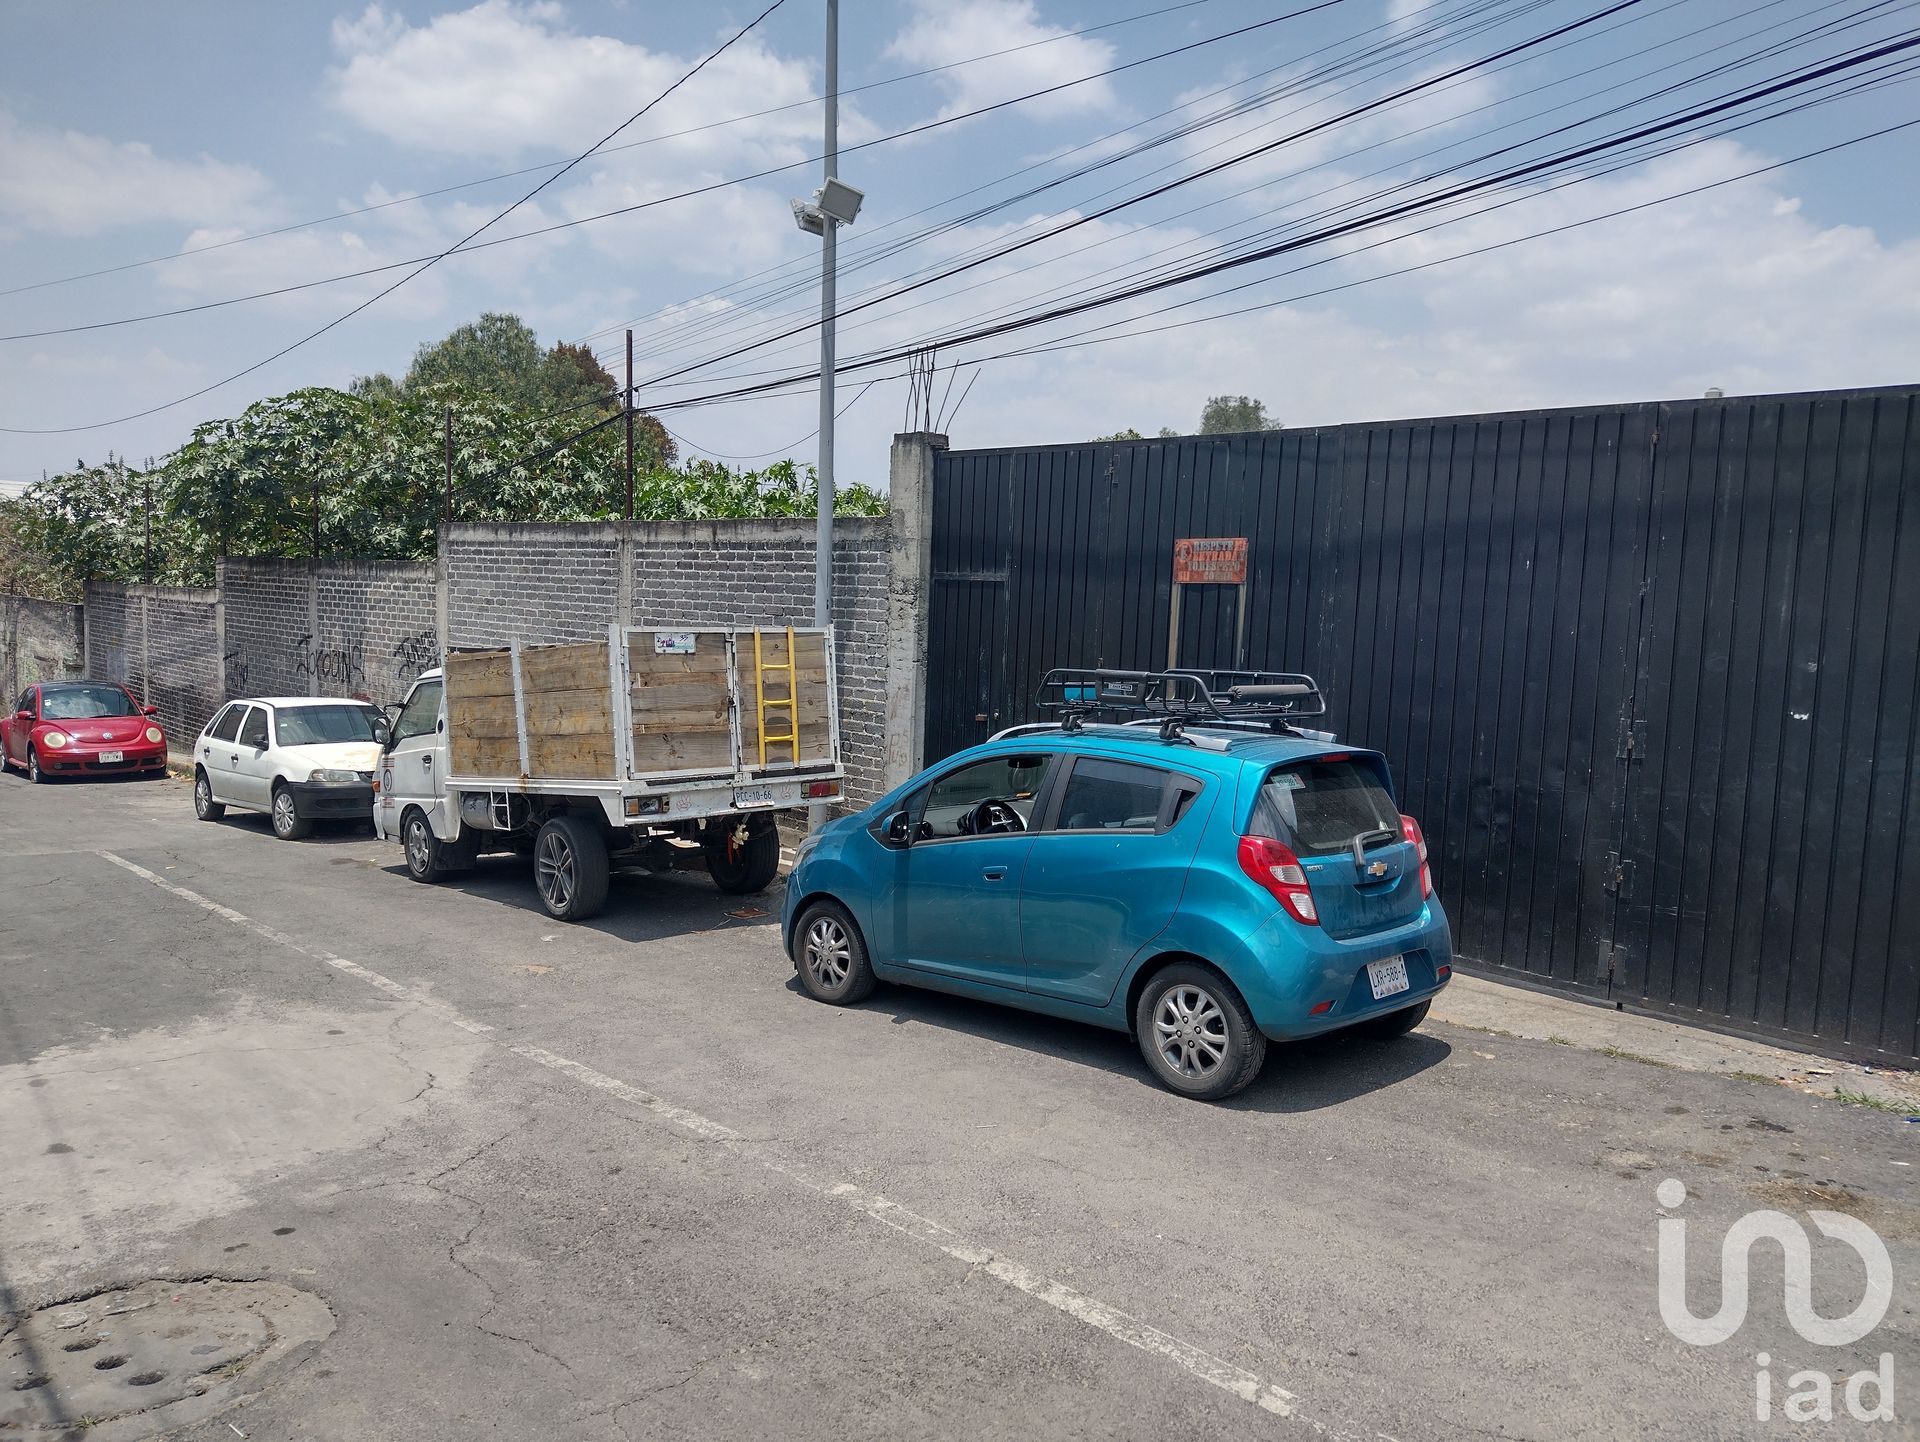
pixel 1190 1030
pixel 283 816
pixel 202 795
pixel 553 869
pixel 419 846
pixel 829 955
pixel 33 766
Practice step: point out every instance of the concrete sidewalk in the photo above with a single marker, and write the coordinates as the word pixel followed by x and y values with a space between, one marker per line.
pixel 1504 1010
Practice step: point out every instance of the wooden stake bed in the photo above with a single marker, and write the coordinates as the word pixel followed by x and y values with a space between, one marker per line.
pixel 645 705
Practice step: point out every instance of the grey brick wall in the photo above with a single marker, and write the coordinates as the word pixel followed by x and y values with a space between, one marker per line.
pixel 536 584
pixel 744 573
pixel 163 642
pixel 106 656
pixel 182 673
pixel 39 641
pixel 377 627
pixel 339 628
pixel 269 647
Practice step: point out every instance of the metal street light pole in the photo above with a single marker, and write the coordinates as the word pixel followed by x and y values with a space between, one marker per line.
pixel 823 532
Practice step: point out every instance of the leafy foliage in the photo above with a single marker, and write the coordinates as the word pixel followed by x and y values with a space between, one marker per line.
pixel 1229 415
pixel 364 472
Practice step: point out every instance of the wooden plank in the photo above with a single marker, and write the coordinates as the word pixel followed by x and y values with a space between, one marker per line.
pixel 479 673
pixel 683 751
pixel 571 758
pixel 581 666
pixel 584 712
pixel 709 654
pixel 485 756
pixel 665 695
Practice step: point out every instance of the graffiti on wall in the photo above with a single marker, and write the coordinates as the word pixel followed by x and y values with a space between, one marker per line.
pixel 414 654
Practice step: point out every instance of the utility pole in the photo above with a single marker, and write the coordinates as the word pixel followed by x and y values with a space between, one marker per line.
pixel 823 524
pixel 447 508
pixel 629 427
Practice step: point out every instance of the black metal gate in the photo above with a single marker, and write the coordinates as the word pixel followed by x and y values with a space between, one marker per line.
pixel 1647 674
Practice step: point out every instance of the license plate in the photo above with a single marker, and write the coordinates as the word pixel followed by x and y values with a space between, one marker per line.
pixel 1387 977
pixel 113 756
pixel 749 796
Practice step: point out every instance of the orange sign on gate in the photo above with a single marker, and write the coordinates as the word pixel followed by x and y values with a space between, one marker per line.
pixel 1210 561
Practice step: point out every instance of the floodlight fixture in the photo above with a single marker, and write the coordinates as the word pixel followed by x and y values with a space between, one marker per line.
pixel 809 217
pixel 839 201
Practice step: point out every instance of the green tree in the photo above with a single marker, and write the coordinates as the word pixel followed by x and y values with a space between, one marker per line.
pixel 1229 415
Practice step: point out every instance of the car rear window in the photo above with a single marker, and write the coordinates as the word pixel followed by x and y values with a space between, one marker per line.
pixel 1320 806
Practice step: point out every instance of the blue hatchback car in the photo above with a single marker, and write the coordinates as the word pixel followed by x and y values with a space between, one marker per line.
pixel 1203 885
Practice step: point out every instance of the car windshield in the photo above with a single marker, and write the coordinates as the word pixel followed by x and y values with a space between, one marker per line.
pixel 317 725
pixel 84 703
pixel 1320 806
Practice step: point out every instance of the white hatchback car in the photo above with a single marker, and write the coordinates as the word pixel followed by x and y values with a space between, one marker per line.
pixel 300 759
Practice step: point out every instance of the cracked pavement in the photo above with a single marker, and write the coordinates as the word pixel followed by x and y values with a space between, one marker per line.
pixel 1448 1236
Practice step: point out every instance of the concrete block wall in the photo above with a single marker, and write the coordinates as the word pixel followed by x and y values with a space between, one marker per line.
pixel 268 647
pixel 39 641
pixel 336 628
pixel 377 627
pixel 163 643
pixel 536 584
pixel 760 573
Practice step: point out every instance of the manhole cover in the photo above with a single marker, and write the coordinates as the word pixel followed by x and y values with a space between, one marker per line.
pixel 119 1356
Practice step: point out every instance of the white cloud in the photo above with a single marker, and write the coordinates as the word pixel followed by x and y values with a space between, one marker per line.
pixel 65 182
pixel 502 79
pixel 942 32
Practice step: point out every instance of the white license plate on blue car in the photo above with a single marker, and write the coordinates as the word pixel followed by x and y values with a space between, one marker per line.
pixel 1387 977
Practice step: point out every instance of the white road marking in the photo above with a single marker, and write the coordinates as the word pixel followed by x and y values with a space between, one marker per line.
pixel 1064 1299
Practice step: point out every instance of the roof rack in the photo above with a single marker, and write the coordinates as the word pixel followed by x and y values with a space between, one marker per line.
pixel 1178 699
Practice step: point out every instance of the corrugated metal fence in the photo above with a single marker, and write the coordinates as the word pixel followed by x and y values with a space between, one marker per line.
pixel 1648 675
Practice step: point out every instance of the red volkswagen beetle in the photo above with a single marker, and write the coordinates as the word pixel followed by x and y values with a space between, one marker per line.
pixel 82 728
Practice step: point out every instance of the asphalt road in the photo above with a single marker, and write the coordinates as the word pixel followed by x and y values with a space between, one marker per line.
pixel 624 1180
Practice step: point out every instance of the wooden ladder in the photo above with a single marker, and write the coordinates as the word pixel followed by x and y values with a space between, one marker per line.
pixel 763 703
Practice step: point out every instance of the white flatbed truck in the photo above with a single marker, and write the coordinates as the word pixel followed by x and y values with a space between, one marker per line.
pixel 653 749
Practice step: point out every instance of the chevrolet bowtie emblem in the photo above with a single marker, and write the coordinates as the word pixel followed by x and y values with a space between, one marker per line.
pixel 1378 868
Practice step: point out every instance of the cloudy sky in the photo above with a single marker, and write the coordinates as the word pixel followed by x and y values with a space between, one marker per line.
pixel 131 132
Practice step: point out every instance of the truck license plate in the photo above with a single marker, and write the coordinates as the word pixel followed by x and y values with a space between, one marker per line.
pixel 1387 977
pixel 113 756
pixel 746 797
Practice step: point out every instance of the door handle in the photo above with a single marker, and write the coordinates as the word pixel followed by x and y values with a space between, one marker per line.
pixel 235 758
pixel 994 873
pixel 427 761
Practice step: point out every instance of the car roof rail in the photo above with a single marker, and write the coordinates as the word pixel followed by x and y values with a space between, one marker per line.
pixel 1175 700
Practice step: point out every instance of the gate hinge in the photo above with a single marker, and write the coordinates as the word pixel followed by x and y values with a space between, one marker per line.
pixel 1633 740
pixel 1612 961
pixel 1618 872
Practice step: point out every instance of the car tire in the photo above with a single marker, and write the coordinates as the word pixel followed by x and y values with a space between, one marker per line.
pixel 204 806
pixel 1394 1023
pixel 746 867
pixel 570 868
pixel 428 858
pixel 831 956
pixel 288 823
pixel 1196 1033
pixel 34 773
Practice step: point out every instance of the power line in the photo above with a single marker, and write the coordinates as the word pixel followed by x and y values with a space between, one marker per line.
pixel 761 456
pixel 430 261
pixel 464 248
pixel 610 150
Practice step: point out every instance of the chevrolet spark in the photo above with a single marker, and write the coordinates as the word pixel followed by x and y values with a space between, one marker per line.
pixel 1207 891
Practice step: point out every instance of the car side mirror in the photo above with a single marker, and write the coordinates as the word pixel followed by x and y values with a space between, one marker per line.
pixel 151 710
pixel 23 715
pixel 899 829
pixel 382 731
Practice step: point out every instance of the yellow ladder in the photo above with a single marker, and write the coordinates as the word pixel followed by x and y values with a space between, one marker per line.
pixel 790 738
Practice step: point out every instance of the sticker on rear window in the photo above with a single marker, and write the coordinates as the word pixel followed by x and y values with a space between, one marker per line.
pixel 1289 781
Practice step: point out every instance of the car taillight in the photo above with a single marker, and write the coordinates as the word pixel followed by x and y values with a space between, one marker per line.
pixel 1279 870
pixel 1410 829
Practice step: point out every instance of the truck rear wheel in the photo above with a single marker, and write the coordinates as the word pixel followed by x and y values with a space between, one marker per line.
pixel 743 865
pixel 570 868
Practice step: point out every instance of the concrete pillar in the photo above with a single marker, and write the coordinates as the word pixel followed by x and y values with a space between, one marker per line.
pixel 440 586
pixel 909 593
